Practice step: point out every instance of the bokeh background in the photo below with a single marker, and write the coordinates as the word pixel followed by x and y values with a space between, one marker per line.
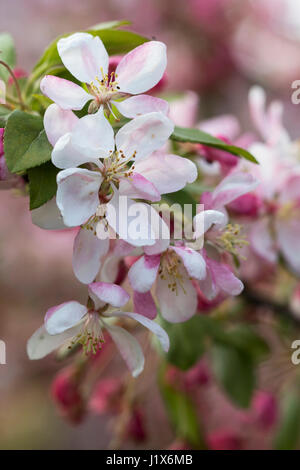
pixel 217 48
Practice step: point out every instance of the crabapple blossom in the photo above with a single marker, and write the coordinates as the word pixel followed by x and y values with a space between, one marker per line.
pixel 74 323
pixel 86 58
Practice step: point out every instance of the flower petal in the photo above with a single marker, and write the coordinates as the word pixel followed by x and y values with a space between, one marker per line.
pixel 42 343
pixel 143 272
pixel 177 306
pixel 156 168
pixel 93 136
pixel 205 220
pixel 288 237
pixel 143 135
pixel 128 347
pixel 144 304
pixel 225 279
pixel 233 186
pixel 193 261
pixel 262 242
pixel 142 104
pixel 138 187
pixel 66 155
pixel 2 92
pixel 66 94
pixel 151 325
pixel 57 122
pixel 84 56
pixel 77 194
pixel 64 316
pixel 108 293
pixel 88 252
pixel 48 216
pixel 141 69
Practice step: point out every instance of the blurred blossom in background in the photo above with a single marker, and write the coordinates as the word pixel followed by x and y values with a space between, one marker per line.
pixel 217 49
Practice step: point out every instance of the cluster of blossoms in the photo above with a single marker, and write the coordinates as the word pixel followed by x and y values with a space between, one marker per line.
pixel 107 184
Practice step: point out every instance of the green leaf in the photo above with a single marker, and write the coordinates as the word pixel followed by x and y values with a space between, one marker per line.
pixel 8 54
pixel 42 184
pixel 183 134
pixel 287 436
pixel 234 370
pixel 25 142
pixel 109 25
pixel 244 338
pixel 183 415
pixel 186 342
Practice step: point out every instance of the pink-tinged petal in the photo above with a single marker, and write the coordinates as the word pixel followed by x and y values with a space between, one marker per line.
pixel 225 279
pixel 193 261
pixel 93 136
pixel 88 252
pixel 77 195
pixel 2 92
pixel 141 69
pixel 143 272
pixel 156 168
pixel 161 234
pixel 184 110
pixel 129 349
pixel 291 189
pixel 208 285
pixel 57 122
pixel 111 294
pixel 144 304
pixel 151 325
pixel 262 242
pixel 142 104
pixel 205 220
pixel 48 216
pixel 144 135
pixel 180 305
pixel 64 316
pixel 257 106
pixel 84 56
pixel 288 238
pixel 226 125
pixel 66 94
pixel 42 343
pixel 233 186
pixel 138 187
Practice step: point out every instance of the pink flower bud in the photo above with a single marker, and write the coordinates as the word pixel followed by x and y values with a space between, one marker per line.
pixel 264 410
pixel 65 393
pixel 226 160
pixel 224 440
pixel 107 397
pixel 197 375
pixel 19 73
pixel 247 205
pixel 136 426
pixel 295 302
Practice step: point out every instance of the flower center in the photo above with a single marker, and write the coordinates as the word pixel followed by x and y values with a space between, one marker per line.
pixel 118 166
pixel 104 87
pixel 90 337
pixel 230 240
pixel 170 271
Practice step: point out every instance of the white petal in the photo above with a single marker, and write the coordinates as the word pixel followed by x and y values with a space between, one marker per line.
pixel 93 136
pixel 156 168
pixel 41 343
pixel 150 324
pixel 129 349
pixel 57 122
pixel 84 56
pixel 88 252
pixel 64 316
pixel 236 184
pixel 288 236
pixel 193 261
pixel 143 135
pixel 48 216
pixel 177 306
pixel 138 187
pixel 66 155
pixel 142 68
pixel 205 220
pixel 108 293
pixel 143 272
pixel 142 104
pixel 66 94
pixel 262 242
pixel 77 195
